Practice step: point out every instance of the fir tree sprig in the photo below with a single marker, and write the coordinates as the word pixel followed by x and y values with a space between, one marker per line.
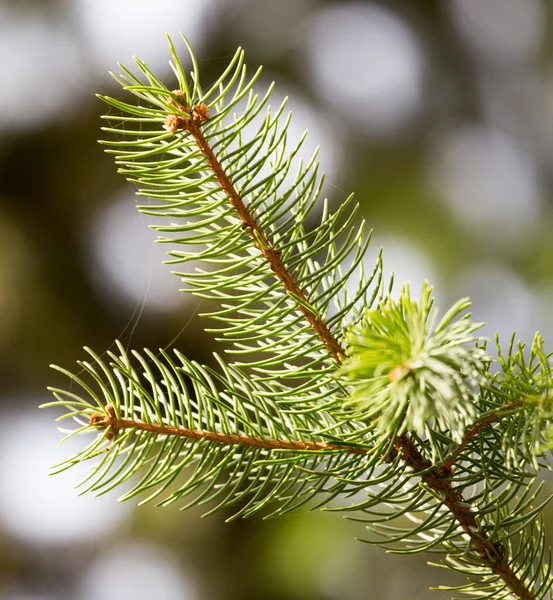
pixel 334 388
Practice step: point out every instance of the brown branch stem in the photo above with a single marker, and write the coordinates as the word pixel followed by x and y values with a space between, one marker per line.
pixel 113 425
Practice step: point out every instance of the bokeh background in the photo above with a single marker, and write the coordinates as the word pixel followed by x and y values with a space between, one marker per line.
pixel 439 115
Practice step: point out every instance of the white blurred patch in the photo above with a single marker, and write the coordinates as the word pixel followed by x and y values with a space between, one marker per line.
pixel 500 298
pixel 489 182
pixel 409 263
pixel 43 509
pixel 115 31
pixel 367 65
pixel 503 32
pixel 42 75
pixel 520 103
pixel 127 261
pixel 139 571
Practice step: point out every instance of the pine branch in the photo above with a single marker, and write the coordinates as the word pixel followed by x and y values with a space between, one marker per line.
pixel 343 392
pixel 441 484
pixel 441 487
pixel 113 425
pixel 250 229
pixel 171 414
pixel 266 248
pixel 439 478
pixel 407 449
pixel 490 553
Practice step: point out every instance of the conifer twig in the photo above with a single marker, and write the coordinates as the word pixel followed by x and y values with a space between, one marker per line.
pixel 260 239
pixel 113 425
pixel 490 553
pixel 433 477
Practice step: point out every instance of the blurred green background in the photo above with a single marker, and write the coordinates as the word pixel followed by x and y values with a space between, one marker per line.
pixel 437 114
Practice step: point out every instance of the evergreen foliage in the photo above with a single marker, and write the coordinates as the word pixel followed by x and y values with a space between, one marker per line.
pixel 330 388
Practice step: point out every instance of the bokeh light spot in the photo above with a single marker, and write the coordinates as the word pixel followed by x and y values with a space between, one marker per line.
pixel 366 64
pixel 41 74
pixel 127 261
pixel 501 31
pixel 489 182
pixel 500 299
pixel 115 31
pixel 139 571
pixel 39 508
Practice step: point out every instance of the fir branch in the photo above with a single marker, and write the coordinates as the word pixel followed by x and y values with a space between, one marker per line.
pixel 441 484
pixel 113 425
pixel 408 451
pixel 236 220
pixel 144 412
pixel 438 479
pixel 259 237
pixel 413 399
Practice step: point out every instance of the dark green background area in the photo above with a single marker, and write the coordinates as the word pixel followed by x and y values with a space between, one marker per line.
pixel 55 179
